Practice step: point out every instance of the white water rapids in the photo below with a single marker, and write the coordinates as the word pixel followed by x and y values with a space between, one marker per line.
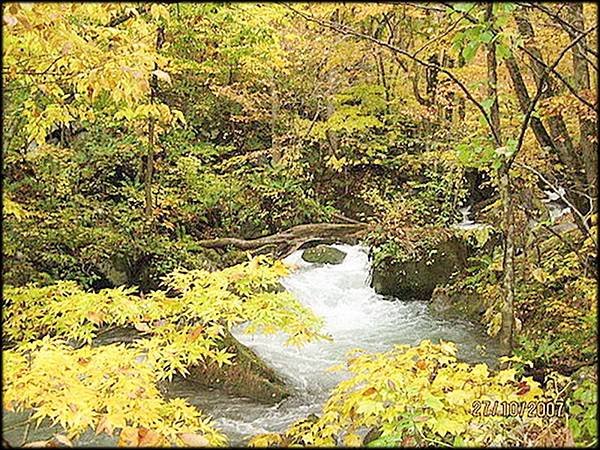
pixel 355 316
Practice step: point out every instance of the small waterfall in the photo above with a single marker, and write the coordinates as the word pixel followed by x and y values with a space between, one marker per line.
pixel 355 316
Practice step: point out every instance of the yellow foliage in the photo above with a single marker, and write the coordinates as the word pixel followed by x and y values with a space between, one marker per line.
pixel 114 386
pixel 417 394
pixel 12 208
pixel 104 389
pixel 69 57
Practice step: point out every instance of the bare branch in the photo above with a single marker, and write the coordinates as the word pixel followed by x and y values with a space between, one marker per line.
pixel 349 31
pixel 560 194
pixel 568 27
pixel 560 77
pixel 540 88
pixel 116 21
pixel 445 33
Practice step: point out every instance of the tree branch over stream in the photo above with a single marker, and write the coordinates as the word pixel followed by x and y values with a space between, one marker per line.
pixel 293 238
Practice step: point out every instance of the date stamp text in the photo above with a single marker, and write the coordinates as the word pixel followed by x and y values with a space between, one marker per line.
pixel 487 408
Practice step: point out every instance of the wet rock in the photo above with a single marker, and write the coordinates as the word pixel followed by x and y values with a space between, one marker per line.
pixel 248 376
pixel 276 288
pixel 323 254
pixel 19 429
pixel 448 304
pixel 115 270
pixel 416 276
pixel 373 434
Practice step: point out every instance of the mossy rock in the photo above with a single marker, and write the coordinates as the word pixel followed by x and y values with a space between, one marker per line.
pixel 323 254
pixel 449 305
pixel 248 376
pixel 416 277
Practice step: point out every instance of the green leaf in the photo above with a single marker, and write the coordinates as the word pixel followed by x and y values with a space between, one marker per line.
pixel 486 37
pixel 503 51
pixel 487 104
pixel 470 50
pixel 433 402
pixel 385 441
pixel 369 407
pixel 575 427
pixel 590 424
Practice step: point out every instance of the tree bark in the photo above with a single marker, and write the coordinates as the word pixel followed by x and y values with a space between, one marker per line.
pixel 492 68
pixel 557 127
pixel 383 79
pixel 587 125
pixel 508 280
pixel 449 107
pixel 160 39
pixel 275 106
pixel 415 87
pixel 331 135
pixel 149 170
pixel 569 155
pixel 461 100
pixel 293 238
pixel 520 88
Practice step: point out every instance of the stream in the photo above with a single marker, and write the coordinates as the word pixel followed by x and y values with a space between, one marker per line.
pixel 356 317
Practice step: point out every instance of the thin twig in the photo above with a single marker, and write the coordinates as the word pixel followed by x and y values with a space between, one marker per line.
pixel 563 23
pixel 445 33
pixel 560 77
pixel 542 82
pixel 346 30
pixel 559 193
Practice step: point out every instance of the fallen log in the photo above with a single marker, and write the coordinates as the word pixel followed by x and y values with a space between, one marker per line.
pixel 292 239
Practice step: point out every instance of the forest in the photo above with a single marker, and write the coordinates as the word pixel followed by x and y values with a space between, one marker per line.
pixel 299 224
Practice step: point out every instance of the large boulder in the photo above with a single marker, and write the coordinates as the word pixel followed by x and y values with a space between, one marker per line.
pixel 323 254
pixel 462 305
pixel 248 376
pixel 415 274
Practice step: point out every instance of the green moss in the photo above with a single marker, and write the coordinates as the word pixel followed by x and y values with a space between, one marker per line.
pixel 414 271
pixel 323 254
pixel 248 376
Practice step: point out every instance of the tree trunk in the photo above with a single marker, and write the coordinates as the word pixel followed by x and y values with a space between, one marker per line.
pixel 293 238
pixel 149 170
pixel 275 106
pixel 160 39
pixel 492 69
pixel 383 79
pixel 449 107
pixel 415 86
pixel 461 100
pixel 557 129
pixel 508 280
pixel 587 126
pixel 332 137
pixel 520 88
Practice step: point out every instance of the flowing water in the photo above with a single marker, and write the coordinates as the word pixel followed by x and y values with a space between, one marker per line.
pixel 356 317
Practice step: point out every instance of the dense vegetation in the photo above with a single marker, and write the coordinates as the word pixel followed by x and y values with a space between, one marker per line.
pixel 135 136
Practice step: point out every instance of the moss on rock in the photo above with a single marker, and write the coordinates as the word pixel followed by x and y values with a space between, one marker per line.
pixel 448 304
pixel 247 376
pixel 415 274
pixel 323 254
